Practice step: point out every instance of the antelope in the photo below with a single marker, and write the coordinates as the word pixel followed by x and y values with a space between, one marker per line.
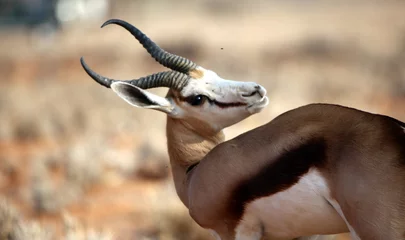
pixel 315 170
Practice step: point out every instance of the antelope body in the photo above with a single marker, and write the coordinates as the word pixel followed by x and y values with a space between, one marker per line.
pixel 315 170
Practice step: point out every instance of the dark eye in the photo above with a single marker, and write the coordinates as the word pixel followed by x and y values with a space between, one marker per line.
pixel 197 100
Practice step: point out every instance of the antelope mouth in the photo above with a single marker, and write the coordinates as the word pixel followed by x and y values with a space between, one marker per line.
pixel 257 106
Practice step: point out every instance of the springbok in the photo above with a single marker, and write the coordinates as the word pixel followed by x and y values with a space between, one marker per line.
pixel 318 169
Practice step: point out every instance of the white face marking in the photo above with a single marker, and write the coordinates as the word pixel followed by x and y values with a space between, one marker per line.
pixel 220 89
pixel 298 211
pixel 229 101
pixel 225 102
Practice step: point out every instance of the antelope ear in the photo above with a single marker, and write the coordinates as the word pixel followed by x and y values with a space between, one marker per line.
pixel 141 98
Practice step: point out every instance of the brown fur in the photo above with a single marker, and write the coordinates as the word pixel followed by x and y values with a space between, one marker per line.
pixel 361 155
pixel 186 146
pixel 196 74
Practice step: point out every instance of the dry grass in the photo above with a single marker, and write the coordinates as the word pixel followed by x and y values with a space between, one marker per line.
pixel 14 227
pixel 171 220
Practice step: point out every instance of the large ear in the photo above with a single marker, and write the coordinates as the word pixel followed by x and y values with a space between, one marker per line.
pixel 141 98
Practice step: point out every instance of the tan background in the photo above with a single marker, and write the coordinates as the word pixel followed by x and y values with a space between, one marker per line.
pixel 77 162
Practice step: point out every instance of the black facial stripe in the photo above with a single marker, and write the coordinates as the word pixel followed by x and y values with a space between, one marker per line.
pixel 227 105
pixel 217 103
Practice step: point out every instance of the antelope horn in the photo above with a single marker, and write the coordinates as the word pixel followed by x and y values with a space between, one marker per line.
pixel 167 59
pixel 170 79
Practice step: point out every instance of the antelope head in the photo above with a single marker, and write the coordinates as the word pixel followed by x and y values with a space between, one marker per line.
pixel 196 95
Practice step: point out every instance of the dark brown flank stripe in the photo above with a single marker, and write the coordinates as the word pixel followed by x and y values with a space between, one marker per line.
pixel 280 175
pixel 398 136
pixel 402 124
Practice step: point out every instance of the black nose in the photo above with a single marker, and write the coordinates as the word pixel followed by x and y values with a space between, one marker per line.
pixel 252 94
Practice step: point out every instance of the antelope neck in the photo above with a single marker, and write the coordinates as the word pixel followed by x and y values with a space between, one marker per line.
pixel 186 147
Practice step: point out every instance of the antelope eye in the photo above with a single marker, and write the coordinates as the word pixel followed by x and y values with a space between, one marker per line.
pixel 197 100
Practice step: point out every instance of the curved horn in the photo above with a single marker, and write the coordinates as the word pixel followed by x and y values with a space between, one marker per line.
pixel 170 79
pixel 167 59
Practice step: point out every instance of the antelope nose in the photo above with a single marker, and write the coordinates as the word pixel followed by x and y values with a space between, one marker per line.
pixel 259 90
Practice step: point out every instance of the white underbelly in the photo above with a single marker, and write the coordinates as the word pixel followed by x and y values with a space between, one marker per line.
pixel 301 210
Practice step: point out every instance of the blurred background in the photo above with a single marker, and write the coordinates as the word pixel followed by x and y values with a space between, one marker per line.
pixel 76 162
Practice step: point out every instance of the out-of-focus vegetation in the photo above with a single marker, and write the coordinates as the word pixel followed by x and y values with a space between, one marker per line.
pixel 76 162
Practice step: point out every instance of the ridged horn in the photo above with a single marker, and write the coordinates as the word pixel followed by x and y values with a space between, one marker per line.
pixel 171 79
pixel 167 59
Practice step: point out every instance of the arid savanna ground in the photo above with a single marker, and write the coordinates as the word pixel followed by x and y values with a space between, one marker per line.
pixel 76 162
